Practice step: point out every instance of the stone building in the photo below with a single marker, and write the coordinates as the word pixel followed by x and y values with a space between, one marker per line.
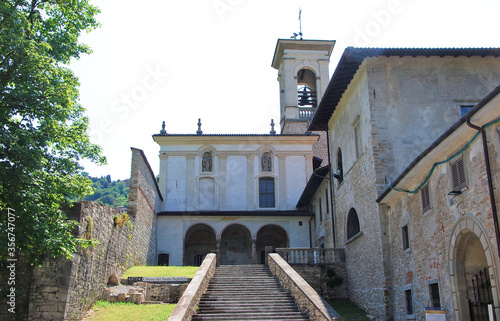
pixel 324 181
pixel 381 109
pixel 443 225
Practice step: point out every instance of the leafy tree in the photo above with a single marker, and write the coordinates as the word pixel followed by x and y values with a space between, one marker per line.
pixel 112 194
pixel 44 133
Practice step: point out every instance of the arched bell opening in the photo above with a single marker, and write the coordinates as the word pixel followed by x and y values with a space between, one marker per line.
pixel 306 88
pixel 199 241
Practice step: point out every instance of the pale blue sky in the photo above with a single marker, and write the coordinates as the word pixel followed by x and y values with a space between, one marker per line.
pixel 177 61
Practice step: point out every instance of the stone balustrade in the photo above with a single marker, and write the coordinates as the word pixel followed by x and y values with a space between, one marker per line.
pixel 312 256
pixel 186 307
pixel 305 296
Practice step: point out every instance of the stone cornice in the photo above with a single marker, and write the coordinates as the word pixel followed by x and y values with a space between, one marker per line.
pixel 178 139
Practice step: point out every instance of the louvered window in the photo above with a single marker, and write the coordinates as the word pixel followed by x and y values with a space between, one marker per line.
pixel 458 175
pixel 426 199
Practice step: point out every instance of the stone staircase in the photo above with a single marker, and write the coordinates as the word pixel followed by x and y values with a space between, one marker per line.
pixel 246 292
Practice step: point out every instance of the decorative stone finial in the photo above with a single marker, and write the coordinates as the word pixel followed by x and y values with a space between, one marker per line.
pixel 272 132
pixel 199 132
pixel 163 131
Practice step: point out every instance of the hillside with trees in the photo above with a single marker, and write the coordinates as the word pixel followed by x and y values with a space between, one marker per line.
pixel 108 192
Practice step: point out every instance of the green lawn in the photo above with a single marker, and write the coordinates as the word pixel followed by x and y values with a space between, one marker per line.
pixel 348 310
pixel 157 271
pixel 105 311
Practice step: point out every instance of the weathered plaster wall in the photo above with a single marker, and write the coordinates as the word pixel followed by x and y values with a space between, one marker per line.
pixel 413 100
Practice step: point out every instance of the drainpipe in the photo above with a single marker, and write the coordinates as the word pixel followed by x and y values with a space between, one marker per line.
pixel 310 233
pixel 490 181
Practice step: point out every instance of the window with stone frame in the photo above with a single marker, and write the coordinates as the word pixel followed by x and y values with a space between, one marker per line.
pixel 327 202
pixel 426 198
pixel 266 192
pixel 409 308
pixel 320 210
pixel 435 297
pixel 465 108
pixel 405 237
pixel 353 227
pixel 458 174
pixel 357 139
pixel 340 166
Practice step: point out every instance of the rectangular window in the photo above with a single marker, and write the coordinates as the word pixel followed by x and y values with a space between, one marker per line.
pixel 357 139
pixel 266 192
pixel 426 199
pixel 458 174
pixel 409 302
pixel 327 202
pixel 464 109
pixel 406 238
pixel 434 295
pixel 320 211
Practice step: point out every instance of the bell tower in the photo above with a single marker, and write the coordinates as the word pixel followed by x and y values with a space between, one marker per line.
pixel 303 77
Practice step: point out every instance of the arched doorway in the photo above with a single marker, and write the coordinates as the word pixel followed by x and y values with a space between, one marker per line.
pixel 199 241
pixel 236 245
pixel 472 271
pixel 270 235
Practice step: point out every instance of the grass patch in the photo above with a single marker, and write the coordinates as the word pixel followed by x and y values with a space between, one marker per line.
pixel 105 311
pixel 349 310
pixel 158 271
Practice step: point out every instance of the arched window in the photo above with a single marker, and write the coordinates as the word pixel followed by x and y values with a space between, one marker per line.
pixel 266 192
pixel 206 162
pixel 353 228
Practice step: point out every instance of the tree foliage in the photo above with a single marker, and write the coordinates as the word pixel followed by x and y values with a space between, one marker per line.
pixel 44 132
pixel 108 192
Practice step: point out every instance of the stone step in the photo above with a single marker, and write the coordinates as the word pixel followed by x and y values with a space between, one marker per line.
pixel 254 309
pixel 251 316
pixel 246 292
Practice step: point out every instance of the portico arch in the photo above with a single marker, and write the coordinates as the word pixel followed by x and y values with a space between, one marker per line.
pixel 270 235
pixel 236 245
pixel 198 242
pixel 470 255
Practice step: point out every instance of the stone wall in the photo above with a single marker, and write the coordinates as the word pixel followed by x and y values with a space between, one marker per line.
pixel 437 251
pixel 305 296
pixel 316 276
pixel 143 202
pixel 63 289
pixel 188 303
pixel 168 293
